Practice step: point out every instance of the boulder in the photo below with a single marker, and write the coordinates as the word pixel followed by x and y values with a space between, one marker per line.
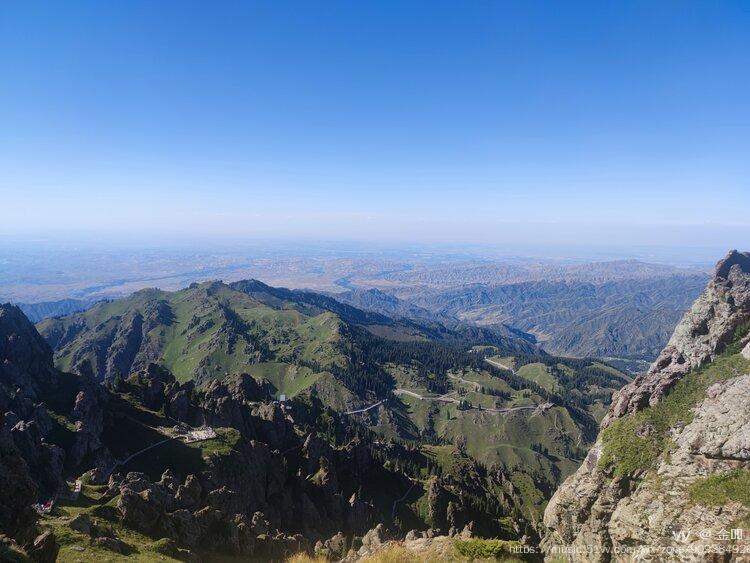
pixel 372 540
pixel 112 544
pixel 412 535
pixel 139 510
pixel 259 524
pixel 81 523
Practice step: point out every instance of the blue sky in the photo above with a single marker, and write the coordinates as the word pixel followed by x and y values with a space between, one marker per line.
pixel 493 122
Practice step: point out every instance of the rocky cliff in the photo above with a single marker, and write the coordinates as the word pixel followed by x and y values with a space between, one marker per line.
pixel 669 476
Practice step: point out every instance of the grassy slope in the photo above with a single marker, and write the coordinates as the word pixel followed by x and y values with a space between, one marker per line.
pixel 538 373
pixel 628 450
pixel 215 330
pixel 545 376
pixel 491 438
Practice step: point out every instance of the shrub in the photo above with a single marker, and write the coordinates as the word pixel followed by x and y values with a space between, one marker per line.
pixel 484 549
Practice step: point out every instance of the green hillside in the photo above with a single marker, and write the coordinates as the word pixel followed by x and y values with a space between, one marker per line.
pixel 202 332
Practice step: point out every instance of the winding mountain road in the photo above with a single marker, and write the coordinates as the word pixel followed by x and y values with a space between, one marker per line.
pixel 446 398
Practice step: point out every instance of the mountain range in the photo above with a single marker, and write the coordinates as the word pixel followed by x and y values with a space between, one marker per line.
pixel 226 421
pixel 613 310
pixel 380 411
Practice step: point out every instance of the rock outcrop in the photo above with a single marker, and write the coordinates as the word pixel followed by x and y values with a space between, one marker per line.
pixel 649 515
pixel 25 357
pixel 44 548
pixel 18 491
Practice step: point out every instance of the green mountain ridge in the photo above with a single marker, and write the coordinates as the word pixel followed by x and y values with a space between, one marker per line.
pixel 428 386
pixel 211 329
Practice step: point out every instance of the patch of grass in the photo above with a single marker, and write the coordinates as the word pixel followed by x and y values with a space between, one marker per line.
pixel 634 443
pixel 76 547
pixel 289 380
pixel 421 508
pixel 484 549
pixel 508 361
pixel 717 490
pixel 445 456
pixel 226 440
pixel 539 374
pixel 396 554
pixel 305 558
pixel 532 500
pixel 735 346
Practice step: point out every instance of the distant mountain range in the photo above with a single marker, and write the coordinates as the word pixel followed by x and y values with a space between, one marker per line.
pixel 624 309
pixel 213 328
pixel 626 318
pixel 38 311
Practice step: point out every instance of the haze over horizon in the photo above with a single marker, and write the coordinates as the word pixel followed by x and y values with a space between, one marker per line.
pixel 503 124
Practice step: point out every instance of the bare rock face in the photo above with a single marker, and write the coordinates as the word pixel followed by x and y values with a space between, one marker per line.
pixel 17 489
pixel 372 540
pixel 716 442
pixel 721 427
pixel 44 460
pixel 224 402
pixel 188 495
pixel 88 414
pixel 595 516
